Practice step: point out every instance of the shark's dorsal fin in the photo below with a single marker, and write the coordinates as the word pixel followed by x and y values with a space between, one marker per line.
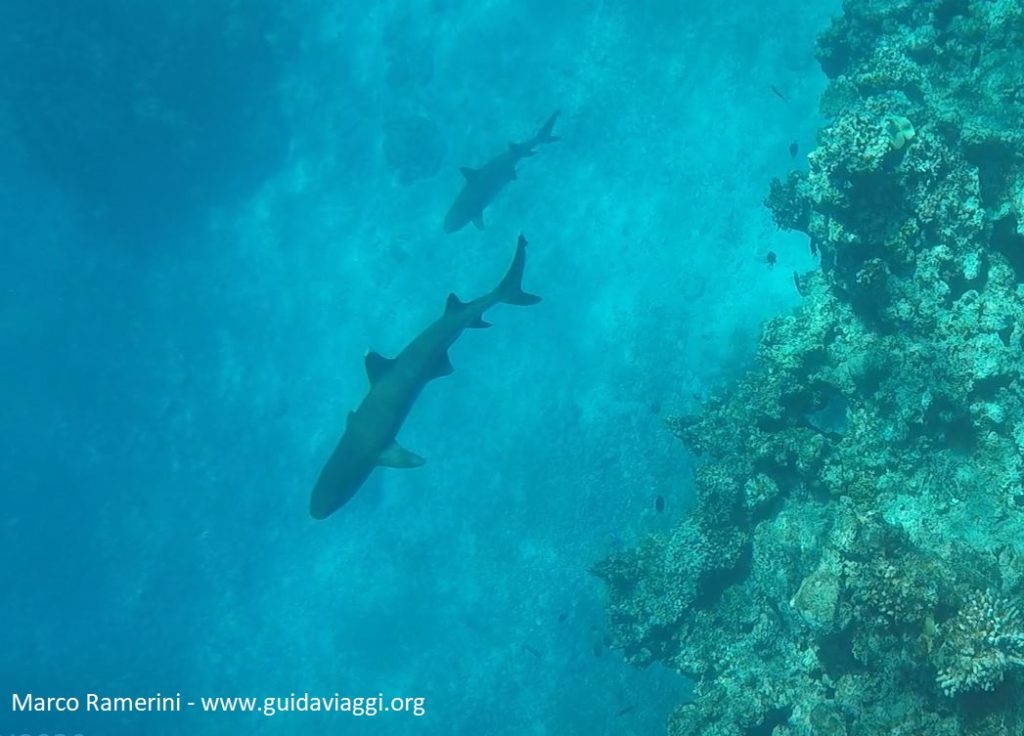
pixel 453 304
pixel 479 221
pixel 396 456
pixel 376 366
pixel 468 172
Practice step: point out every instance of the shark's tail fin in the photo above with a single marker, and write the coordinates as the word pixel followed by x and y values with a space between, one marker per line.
pixel 510 290
pixel 524 149
pixel 544 134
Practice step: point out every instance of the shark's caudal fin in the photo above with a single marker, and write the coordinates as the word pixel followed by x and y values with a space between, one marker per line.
pixel 544 134
pixel 510 290
pixel 525 149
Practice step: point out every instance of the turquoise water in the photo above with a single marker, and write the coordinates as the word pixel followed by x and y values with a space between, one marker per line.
pixel 210 212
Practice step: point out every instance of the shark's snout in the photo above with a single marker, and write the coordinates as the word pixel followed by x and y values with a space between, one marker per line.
pixel 319 506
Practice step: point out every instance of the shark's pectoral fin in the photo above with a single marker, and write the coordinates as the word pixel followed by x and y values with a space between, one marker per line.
pixel 396 456
pixel 468 172
pixel 443 367
pixel 453 304
pixel 480 322
pixel 376 366
pixel 479 221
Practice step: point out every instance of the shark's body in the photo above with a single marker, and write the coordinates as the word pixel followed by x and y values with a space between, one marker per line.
pixel 369 437
pixel 482 185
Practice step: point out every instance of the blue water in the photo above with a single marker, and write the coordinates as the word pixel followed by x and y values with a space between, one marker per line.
pixel 210 210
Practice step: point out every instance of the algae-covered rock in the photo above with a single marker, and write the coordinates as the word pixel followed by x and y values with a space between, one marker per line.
pixel 817 598
pixel 899 129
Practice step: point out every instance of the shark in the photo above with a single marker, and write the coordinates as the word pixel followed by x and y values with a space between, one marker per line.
pixel 483 184
pixel 368 440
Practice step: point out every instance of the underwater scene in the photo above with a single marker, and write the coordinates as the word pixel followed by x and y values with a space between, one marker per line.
pixel 512 367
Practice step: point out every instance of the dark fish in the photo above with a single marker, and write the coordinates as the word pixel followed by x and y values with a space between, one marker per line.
pixel 395 383
pixel 794 149
pixel 562 617
pixel 626 711
pixel 779 94
pixel 771 259
pixel 659 504
pixel 814 248
pixel 798 284
pixel 532 650
pixel 481 185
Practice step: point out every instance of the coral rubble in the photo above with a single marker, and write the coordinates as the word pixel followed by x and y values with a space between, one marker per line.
pixel 854 563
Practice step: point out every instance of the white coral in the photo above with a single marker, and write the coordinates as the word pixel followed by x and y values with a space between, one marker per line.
pixel 985 641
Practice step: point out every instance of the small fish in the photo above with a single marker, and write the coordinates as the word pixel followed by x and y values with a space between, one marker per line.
pixel 814 248
pixel 771 259
pixel 779 94
pixel 562 617
pixel 533 650
pixel 798 284
pixel 659 504
pixel 626 711
pixel 794 149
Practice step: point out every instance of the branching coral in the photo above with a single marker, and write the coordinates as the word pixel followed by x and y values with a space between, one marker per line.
pixel 983 643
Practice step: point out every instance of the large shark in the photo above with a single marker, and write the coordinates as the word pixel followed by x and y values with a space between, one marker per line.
pixel 369 437
pixel 483 184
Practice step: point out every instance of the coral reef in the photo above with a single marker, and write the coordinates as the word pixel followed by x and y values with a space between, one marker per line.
pixel 984 642
pixel 854 562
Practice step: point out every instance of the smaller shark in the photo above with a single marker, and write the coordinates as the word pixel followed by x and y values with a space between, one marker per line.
pixel 395 383
pixel 482 185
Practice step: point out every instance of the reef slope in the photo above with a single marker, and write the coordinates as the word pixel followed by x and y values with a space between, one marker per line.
pixel 854 563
